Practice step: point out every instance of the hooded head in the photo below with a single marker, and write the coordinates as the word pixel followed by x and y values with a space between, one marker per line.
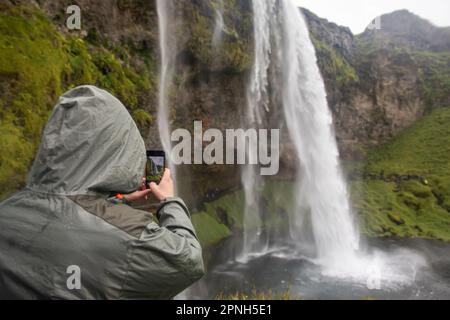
pixel 90 145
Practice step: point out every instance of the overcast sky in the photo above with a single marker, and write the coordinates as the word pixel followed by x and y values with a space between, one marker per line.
pixel 357 14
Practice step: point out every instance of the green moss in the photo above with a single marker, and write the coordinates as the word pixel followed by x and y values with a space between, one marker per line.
pixel 142 117
pixel 209 230
pixel 37 64
pixel 236 52
pixel 219 217
pixel 30 63
pixel 99 66
pixel 434 73
pixel 331 63
pixel 407 189
pixel 423 149
pixel 232 205
pixel 16 152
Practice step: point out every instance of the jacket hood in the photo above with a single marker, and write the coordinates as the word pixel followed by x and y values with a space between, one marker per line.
pixel 90 145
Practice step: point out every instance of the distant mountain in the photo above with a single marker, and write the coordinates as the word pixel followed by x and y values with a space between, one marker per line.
pixel 405 29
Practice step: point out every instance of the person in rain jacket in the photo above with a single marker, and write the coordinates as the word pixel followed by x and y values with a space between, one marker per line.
pixel 63 238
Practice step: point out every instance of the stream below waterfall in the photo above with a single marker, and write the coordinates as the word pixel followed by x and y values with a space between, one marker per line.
pixel 287 268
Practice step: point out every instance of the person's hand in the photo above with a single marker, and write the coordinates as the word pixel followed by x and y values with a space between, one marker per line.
pixel 138 195
pixel 164 189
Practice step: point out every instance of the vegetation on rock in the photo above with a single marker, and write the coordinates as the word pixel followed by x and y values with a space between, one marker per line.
pixel 332 63
pixel 37 64
pixel 406 186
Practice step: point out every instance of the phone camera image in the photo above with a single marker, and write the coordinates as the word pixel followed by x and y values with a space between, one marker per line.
pixel 155 166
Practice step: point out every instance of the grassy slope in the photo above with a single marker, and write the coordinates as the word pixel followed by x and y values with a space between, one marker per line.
pixel 37 64
pixel 406 190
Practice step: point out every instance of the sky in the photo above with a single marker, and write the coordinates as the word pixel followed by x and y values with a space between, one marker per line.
pixel 357 14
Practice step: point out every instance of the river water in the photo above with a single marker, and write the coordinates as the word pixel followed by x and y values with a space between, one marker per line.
pixel 287 268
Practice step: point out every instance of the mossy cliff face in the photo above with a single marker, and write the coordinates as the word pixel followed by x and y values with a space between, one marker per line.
pixel 37 64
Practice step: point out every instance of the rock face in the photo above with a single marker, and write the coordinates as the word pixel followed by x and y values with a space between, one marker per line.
pixel 338 37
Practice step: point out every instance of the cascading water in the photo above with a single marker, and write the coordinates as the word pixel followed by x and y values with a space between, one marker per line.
pixel 257 100
pixel 282 42
pixel 281 35
pixel 321 186
pixel 167 51
pixel 167 46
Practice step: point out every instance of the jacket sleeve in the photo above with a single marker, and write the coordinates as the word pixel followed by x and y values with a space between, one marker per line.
pixel 167 258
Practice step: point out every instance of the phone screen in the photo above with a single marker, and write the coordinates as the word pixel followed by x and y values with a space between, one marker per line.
pixel 156 164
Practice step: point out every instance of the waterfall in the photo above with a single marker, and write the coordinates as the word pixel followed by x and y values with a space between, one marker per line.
pixel 321 186
pixel 167 44
pixel 167 51
pixel 282 39
pixel 219 27
pixel 257 100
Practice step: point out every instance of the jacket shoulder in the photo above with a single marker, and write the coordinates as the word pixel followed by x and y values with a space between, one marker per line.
pixel 123 217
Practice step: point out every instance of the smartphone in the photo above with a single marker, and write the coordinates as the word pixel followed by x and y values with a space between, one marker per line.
pixel 156 164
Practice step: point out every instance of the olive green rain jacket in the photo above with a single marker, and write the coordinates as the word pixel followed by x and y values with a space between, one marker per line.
pixel 61 239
